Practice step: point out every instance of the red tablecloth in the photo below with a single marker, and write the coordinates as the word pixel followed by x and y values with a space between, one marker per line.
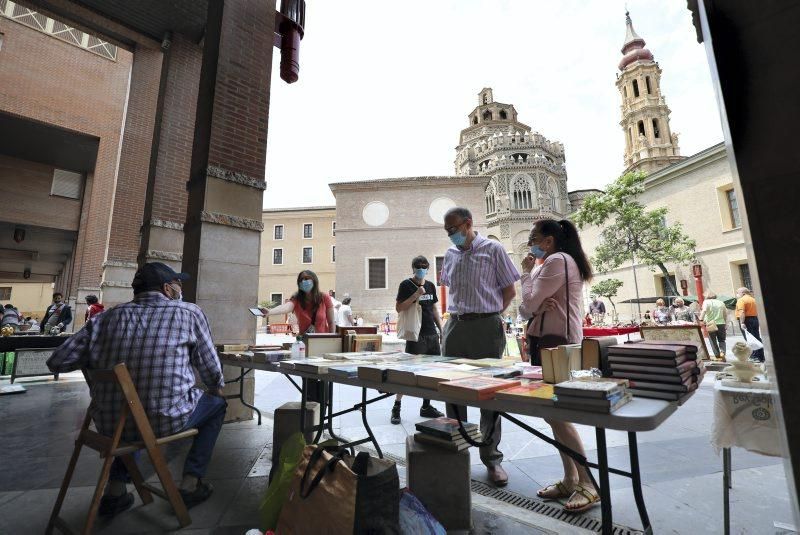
pixel 609 331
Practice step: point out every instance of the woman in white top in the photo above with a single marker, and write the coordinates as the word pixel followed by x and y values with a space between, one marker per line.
pixel 345 314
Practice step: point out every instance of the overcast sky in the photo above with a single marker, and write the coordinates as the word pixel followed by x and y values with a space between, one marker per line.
pixel 385 86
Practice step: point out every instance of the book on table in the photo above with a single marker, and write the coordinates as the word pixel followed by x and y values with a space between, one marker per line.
pixel 528 371
pixel 599 389
pixel 446 428
pixel 680 369
pixel 594 352
pixel 649 350
pixel 344 370
pixel 606 405
pixel 431 379
pixel 452 445
pixel 663 387
pixel 475 388
pixel 292 363
pixel 689 347
pixel 661 394
pixel 277 355
pixel 557 362
pixel 647 360
pixel 500 373
pixel 375 372
pixel 532 392
pixel 485 362
pixel 406 374
pixel 660 378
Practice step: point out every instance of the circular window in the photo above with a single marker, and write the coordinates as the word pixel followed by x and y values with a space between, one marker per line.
pixel 375 214
pixel 439 207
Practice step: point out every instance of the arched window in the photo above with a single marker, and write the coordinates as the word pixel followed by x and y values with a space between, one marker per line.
pixel 522 196
pixel 625 91
pixel 503 115
pixel 635 88
pixel 647 82
pixel 641 128
pixel 491 204
pixel 552 193
pixel 475 120
pixel 656 131
pixel 487 115
pixel 519 157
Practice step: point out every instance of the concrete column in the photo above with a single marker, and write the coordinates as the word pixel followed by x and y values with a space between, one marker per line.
pixel 223 221
pixel 132 176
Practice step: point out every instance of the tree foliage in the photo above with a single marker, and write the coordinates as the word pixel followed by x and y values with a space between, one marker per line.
pixel 608 288
pixel 629 230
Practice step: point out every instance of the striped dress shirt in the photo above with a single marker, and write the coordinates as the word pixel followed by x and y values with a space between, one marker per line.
pixel 160 341
pixel 476 277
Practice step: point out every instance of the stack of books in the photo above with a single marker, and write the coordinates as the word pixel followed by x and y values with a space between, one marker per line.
pixel 602 395
pixel 665 370
pixel 557 362
pixel 443 432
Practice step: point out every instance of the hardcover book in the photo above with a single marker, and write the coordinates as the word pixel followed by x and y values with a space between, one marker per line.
pixel 557 362
pixel 666 378
pixel 475 388
pixel 540 393
pixel 660 394
pixel 654 350
pixel 406 374
pixel 452 445
pixel 485 362
pixel 500 373
pixel 431 379
pixel 582 404
pixel 680 369
pixel 591 389
pixel 375 372
pixel 663 387
pixel 647 360
pixel 444 427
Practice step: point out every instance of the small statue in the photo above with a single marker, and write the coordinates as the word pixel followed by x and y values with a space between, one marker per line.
pixel 742 368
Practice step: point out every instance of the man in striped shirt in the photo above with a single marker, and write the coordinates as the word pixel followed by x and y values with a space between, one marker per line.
pixel 161 340
pixel 481 279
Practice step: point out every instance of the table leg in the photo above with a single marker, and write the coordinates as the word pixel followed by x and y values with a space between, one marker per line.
pixel 330 415
pixel 242 373
pixel 322 404
pixel 605 490
pixel 303 405
pixel 726 486
pixel 366 424
pixel 636 480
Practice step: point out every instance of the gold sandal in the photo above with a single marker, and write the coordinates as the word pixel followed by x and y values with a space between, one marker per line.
pixel 563 491
pixel 593 499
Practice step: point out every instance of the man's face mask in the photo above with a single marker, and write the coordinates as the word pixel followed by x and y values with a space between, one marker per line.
pixel 177 292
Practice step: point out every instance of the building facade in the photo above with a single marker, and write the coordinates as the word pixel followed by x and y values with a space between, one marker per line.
pixel 650 144
pixel 294 240
pixel 526 177
pixel 381 225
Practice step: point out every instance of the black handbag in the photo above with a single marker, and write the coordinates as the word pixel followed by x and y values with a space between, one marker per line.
pixel 536 343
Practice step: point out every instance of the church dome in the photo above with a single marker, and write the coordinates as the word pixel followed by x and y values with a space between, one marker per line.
pixel 634 47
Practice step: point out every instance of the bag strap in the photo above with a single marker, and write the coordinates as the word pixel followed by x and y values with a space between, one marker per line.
pixel 337 455
pixel 487 440
pixel 566 278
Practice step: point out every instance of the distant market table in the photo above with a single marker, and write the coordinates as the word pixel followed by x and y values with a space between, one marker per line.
pixel 743 417
pixel 640 414
pixel 609 331
pixel 33 354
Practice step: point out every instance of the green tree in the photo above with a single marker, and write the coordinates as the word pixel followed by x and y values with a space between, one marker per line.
pixel 608 289
pixel 630 232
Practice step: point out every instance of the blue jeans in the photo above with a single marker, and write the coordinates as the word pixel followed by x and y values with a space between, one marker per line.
pixel 207 418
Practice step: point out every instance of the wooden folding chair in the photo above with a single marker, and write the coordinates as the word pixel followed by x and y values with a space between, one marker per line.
pixel 111 447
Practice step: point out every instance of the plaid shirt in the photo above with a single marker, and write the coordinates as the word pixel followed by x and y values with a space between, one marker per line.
pixel 159 340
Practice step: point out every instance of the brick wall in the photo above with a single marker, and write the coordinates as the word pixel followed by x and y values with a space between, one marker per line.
pixel 47 80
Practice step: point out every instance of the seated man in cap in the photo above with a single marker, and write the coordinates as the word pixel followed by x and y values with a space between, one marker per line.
pixel 160 339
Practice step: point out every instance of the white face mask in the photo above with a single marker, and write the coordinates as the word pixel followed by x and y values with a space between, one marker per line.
pixel 178 291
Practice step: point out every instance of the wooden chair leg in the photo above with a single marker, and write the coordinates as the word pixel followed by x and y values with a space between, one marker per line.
pixel 98 495
pixel 138 480
pixel 64 486
pixel 168 484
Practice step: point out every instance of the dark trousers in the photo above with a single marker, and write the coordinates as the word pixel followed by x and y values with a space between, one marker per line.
pixel 426 344
pixel 207 418
pixel 480 338
pixel 717 339
pixel 751 324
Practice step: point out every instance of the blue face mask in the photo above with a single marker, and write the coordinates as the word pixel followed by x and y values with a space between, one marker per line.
pixel 458 239
pixel 306 285
pixel 537 251
pixel 420 273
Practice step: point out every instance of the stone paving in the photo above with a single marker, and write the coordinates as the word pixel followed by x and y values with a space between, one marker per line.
pixel 681 473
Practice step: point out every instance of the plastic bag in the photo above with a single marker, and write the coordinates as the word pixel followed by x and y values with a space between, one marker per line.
pixel 271 505
pixel 415 518
pixel 409 322
pixel 751 340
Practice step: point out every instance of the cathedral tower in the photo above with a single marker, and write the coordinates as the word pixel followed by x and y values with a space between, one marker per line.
pixel 650 144
pixel 526 178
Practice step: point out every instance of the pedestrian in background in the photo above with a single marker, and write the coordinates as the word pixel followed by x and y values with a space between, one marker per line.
pixel 748 316
pixel 715 316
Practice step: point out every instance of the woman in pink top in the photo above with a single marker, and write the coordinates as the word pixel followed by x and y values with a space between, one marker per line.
pixel 313 309
pixel 552 298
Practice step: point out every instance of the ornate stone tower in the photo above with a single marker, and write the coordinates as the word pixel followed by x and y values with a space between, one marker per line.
pixel 525 174
pixel 650 145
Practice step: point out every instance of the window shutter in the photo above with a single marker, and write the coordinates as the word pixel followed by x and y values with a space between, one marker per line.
pixel 67 184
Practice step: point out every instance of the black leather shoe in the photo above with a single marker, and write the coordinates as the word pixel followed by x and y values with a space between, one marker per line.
pixel 395 419
pixel 114 505
pixel 429 411
pixel 200 494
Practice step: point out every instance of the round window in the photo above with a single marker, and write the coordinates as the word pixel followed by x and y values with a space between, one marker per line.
pixel 375 214
pixel 439 207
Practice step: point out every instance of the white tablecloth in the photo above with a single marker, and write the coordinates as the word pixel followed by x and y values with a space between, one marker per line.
pixel 745 417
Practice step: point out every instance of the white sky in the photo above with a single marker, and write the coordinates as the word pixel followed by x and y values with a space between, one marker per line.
pixel 385 87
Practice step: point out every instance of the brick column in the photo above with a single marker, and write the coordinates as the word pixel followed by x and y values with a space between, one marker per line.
pixel 123 237
pixel 223 222
pixel 165 204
